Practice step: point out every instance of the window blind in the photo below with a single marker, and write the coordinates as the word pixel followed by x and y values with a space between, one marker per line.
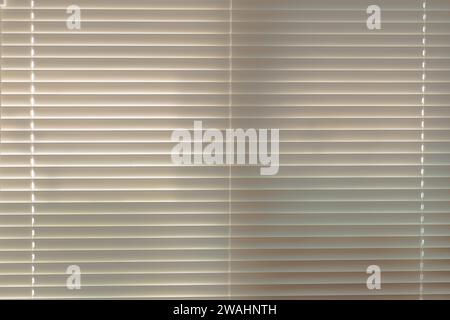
pixel 348 101
pixel 86 176
pixel 106 195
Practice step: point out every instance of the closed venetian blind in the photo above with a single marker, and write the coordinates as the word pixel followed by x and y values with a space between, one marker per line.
pixel 87 180
pixel 358 125
pixel 100 184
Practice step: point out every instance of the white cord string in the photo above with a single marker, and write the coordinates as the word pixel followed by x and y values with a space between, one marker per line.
pixel 422 153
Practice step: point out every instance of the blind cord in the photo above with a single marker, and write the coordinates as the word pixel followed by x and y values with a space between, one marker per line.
pixel 1 78
pixel 422 151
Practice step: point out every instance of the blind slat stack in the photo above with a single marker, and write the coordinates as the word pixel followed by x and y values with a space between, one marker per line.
pixel 348 101
pixel 87 179
pixel 107 197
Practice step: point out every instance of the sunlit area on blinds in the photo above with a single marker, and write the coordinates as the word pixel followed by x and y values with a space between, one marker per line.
pixel 225 149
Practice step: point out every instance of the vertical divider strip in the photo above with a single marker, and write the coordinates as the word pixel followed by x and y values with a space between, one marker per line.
pixel 32 151
pixel 230 120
